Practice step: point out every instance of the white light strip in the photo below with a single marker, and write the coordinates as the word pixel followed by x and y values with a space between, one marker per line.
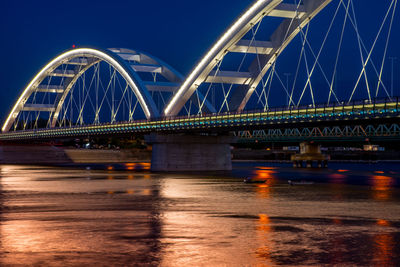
pixel 217 47
pixel 79 51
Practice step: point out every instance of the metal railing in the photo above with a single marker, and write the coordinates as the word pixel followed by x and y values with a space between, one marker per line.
pixel 378 108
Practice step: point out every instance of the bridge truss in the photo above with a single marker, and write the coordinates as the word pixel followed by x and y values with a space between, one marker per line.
pixel 380 132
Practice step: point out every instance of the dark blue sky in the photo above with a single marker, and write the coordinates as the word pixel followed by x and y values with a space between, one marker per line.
pixel 177 31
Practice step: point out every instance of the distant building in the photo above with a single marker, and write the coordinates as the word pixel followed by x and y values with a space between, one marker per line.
pixel 373 148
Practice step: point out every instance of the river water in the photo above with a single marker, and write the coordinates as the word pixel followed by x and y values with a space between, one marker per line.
pixel 127 216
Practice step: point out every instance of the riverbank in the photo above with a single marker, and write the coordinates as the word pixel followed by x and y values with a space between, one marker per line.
pixel 52 155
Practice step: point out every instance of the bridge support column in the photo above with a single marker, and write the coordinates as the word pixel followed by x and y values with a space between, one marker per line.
pixel 190 152
pixel 309 153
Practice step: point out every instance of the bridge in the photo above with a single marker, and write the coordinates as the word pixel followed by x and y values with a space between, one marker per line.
pixel 358 113
pixel 236 90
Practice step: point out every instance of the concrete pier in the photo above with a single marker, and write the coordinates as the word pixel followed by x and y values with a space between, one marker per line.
pixel 310 153
pixel 190 152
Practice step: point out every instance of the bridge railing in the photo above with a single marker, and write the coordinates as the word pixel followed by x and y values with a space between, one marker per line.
pixel 356 110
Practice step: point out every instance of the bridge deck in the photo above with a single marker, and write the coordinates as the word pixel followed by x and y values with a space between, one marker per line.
pixel 379 109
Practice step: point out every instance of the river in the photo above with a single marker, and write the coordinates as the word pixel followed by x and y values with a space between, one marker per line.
pixel 127 216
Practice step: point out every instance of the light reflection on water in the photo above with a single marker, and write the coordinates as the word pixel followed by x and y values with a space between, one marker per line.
pixel 263 233
pixel 56 216
pixel 381 186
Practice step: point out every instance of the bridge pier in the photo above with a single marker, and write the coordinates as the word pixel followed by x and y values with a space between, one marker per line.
pixel 309 153
pixel 190 152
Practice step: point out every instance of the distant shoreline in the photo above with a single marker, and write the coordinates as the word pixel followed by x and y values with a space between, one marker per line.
pixel 331 161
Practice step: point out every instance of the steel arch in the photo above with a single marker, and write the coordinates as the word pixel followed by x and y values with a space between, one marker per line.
pixel 175 78
pixel 118 58
pixel 230 42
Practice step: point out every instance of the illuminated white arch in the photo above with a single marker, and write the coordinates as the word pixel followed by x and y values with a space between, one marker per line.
pixel 97 55
pixel 283 35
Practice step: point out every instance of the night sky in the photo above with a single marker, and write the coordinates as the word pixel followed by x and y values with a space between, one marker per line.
pixel 177 31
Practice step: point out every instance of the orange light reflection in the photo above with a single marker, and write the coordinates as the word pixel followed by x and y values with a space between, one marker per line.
pixel 381 186
pixel 145 165
pixel 267 168
pixel 146 192
pixel 130 164
pixel 382 222
pixel 138 166
pixel 264 190
pixel 337 178
pixel 384 246
pixel 263 233
pixel 262 174
pixel 267 175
